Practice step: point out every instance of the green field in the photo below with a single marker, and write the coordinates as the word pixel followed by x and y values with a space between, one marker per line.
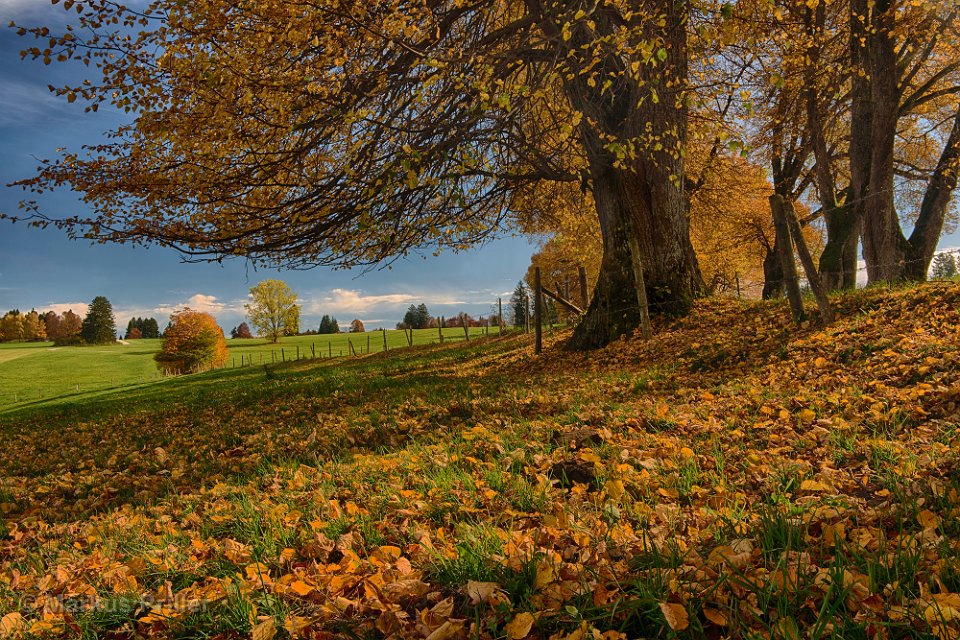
pixel 41 373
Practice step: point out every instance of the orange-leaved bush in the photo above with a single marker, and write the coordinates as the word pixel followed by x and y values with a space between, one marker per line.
pixel 193 342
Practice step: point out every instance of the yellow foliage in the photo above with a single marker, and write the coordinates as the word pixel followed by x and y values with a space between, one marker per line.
pixel 194 342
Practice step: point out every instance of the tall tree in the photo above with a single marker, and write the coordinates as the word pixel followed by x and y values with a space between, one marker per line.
pixel 273 309
pixel 518 305
pixel 98 326
pixel 348 133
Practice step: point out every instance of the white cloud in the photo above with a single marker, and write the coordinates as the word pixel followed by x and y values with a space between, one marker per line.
pixel 79 308
pixel 200 302
pixel 356 302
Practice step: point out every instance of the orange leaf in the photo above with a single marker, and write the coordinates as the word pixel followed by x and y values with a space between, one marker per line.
pixel 520 626
pixel 676 615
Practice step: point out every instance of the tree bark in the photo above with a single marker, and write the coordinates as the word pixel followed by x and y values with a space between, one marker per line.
pixel 640 196
pixel 884 247
pixel 926 233
pixel 772 275
pixel 838 263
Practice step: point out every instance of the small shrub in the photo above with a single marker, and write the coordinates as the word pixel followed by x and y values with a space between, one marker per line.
pixel 194 342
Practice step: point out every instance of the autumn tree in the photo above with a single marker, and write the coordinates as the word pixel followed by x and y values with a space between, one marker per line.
pixel 33 328
pixel 70 327
pixel 273 309
pixel 11 325
pixel 350 133
pixel 193 342
pixel 98 326
pixel 356 326
pixel 241 331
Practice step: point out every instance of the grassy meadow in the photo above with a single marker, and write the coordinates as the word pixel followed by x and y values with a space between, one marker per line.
pixel 733 477
pixel 34 374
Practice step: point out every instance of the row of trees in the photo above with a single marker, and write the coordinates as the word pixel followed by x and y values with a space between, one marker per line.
pixel 142 328
pixel 97 327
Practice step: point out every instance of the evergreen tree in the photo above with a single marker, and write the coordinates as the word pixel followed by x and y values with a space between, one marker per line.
pixel 423 316
pixel 326 326
pixel 149 328
pixel 134 323
pixel 518 305
pixel 410 318
pixel 98 327
pixel 944 267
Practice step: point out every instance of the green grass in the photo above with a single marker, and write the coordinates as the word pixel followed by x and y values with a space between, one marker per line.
pixel 40 374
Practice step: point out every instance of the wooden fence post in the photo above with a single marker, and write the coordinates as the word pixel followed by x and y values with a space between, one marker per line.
pixel 499 316
pixel 641 285
pixel 384 340
pixel 313 349
pixel 368 343
pixel 785 251
pixel 440 328
pixel 283 355
pixel 353 351
pixel 298 352
pixel 537 312
pixel 466 327
pixel 526 315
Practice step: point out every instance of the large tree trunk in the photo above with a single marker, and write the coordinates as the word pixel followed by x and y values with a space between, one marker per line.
pixel 651 209
pixel 926 233
pixel 884 247
pixel 638 196
pixel 772 275
pixel 861 125
pixel 838 262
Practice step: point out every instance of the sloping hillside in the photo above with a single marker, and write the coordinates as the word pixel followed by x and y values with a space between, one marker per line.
pixel 733 477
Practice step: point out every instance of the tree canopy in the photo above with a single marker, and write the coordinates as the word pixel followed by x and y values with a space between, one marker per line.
pixel 346 133
pixel 273 309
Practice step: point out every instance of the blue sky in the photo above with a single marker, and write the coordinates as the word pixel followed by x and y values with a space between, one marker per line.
pixel 43 269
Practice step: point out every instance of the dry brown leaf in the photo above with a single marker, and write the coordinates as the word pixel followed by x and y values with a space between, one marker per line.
pixel 676 615
pixel 481 592
pixel 715 616
pixel 447 631
pixel 520 626
pixel 12 624
pixel 265 630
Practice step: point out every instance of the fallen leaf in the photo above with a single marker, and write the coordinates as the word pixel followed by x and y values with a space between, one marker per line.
pixel 11 624
pixel 676 615
pixel 520 626
pixel 265 630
